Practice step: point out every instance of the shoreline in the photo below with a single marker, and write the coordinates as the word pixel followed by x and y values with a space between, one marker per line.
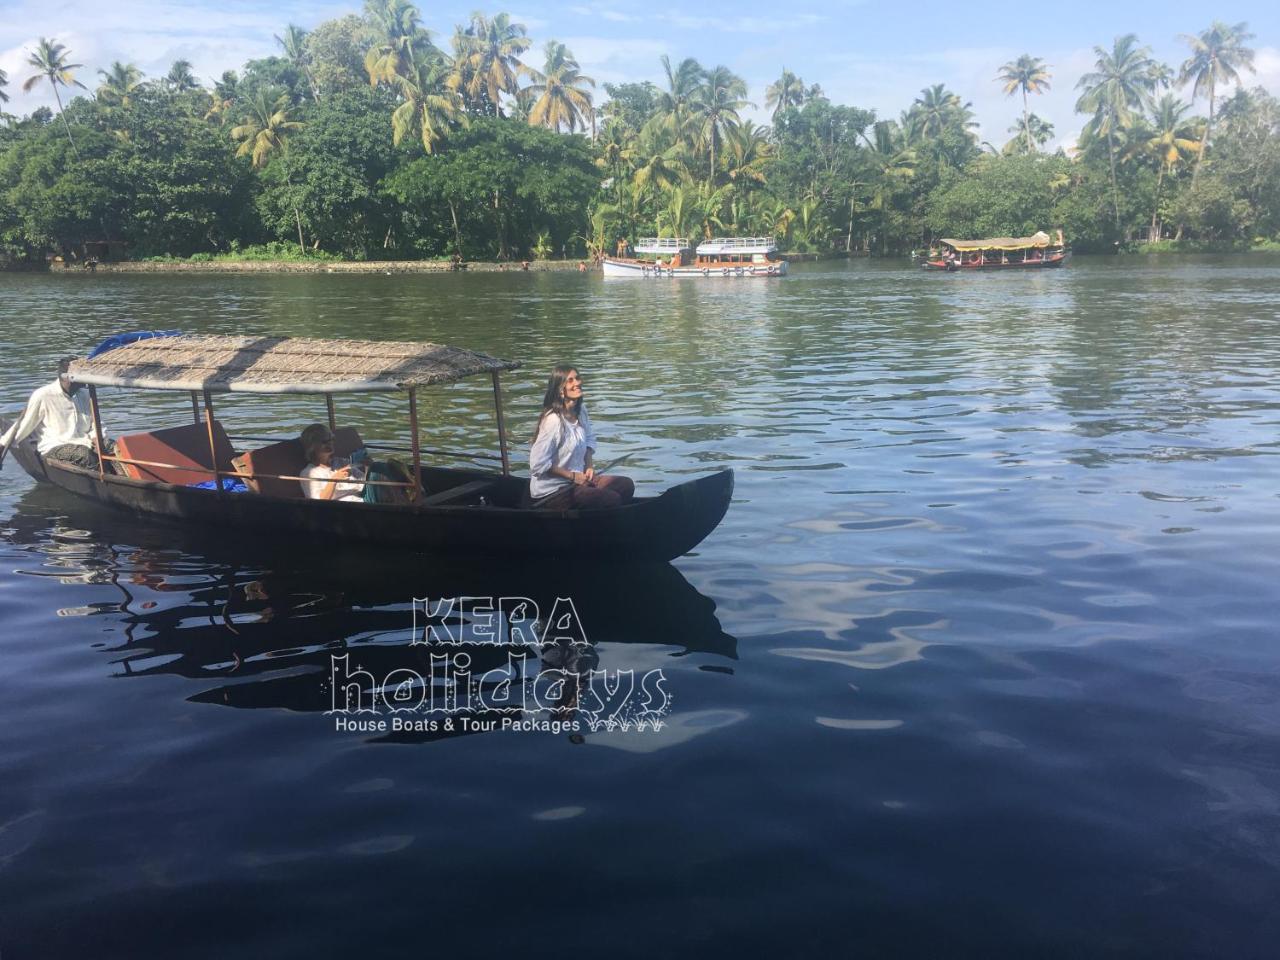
pixel 334 266
pixel 321 266
pixel 435 266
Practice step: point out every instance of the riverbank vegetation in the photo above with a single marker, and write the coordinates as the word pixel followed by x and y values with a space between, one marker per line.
pixel 365 138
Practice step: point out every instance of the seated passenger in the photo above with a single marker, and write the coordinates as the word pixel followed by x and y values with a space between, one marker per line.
pixel 323 482
pixel 560 461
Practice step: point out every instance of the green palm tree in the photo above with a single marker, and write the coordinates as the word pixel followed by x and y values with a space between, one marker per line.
pixel 224 96
pixel 4 82
pixel 1171 140
pixel 1217 54
pixel 772 217
pixel 658 171
pixel 932 111
pixel 715 105
pixel 265 129
pixel 264 132
pixel 429 106
pixel 487 60
pixel 118 84
pixel 559 93
pixel 674 102
pixel 787 91
pixel 746 152
pixel 807 227
pixel 682 216
pixel 892 164
pixel 180 79
pixel 1114 92
pixel 1035 133
pixel 294 46
pixel 398 28
pixel 520 106
pixel 50 60
pixel 616 150
pixel 1030 75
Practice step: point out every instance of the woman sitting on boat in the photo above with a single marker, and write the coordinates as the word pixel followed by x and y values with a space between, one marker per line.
pixel 561 474
pixel 322 481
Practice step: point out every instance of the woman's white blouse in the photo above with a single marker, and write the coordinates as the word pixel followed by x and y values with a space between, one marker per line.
pixel 315 482
pixel 559 444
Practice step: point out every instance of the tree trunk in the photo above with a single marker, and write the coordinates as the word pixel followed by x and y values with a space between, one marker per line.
pixel 1195 172
pixel 1154 235
pixel 504 249
pixel 1026 122
pixel 457 234
pixel 63 115
pixel 297 217
pixel 1115 189
pixel 1208 129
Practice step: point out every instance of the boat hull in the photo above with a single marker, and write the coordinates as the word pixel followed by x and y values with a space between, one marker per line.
pixel 639 269
pixel 657 528
pixel 25 453
pixel 953 267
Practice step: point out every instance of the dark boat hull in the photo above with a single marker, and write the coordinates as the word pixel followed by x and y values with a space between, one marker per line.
pixel 647 529
pixel 25 454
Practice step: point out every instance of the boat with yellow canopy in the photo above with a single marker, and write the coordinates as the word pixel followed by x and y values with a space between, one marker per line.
pixel 998 253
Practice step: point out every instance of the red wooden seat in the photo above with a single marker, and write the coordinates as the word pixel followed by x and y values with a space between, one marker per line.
pixel 183 450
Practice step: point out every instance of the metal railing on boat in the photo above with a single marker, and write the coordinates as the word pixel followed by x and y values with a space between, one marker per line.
pixel 661 244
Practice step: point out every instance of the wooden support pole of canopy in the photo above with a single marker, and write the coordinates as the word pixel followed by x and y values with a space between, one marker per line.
pixel 195 407
pixel 213 447
pixel 417 453
pixel 333 420
pixel 502 427
pixel 100 447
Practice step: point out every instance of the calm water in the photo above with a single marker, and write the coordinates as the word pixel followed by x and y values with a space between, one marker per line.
pixel 982 661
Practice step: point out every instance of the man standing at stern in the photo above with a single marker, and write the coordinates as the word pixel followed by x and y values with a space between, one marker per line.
pixel 58 415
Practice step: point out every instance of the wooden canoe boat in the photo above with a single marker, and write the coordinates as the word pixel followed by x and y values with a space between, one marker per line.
pixel 451 521
pixel 1037 252
pixel 449 512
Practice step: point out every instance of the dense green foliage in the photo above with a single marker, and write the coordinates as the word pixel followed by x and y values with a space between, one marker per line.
pixel 362 139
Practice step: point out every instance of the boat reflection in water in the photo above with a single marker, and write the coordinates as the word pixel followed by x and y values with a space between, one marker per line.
pixel 257 625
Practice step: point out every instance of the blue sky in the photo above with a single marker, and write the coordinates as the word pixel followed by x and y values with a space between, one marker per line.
pixel 867 54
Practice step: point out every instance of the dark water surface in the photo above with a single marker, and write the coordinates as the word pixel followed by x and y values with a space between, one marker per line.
pixel 982 661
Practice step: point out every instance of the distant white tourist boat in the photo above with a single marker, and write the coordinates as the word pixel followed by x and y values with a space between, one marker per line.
pixel 722 257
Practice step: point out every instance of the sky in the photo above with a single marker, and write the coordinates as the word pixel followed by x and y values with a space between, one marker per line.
pixel 865 54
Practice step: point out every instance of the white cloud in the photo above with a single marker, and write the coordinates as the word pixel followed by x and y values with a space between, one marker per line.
pixel 1267 62
pixel 610 60
pixel 532 24
pixel 213 37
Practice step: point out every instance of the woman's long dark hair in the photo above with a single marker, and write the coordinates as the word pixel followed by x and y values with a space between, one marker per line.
pixel 553 400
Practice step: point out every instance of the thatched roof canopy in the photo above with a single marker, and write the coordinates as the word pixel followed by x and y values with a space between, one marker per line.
pixel 281 365
pixel 1034 242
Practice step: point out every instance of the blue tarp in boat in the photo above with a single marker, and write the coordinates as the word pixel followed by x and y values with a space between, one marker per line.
pixel 229 484
pixel 124 339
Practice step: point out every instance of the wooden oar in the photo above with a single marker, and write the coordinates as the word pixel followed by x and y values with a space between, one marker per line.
pixel 612 463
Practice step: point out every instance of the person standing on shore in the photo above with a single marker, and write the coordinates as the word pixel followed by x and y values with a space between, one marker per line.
pixel 561 475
